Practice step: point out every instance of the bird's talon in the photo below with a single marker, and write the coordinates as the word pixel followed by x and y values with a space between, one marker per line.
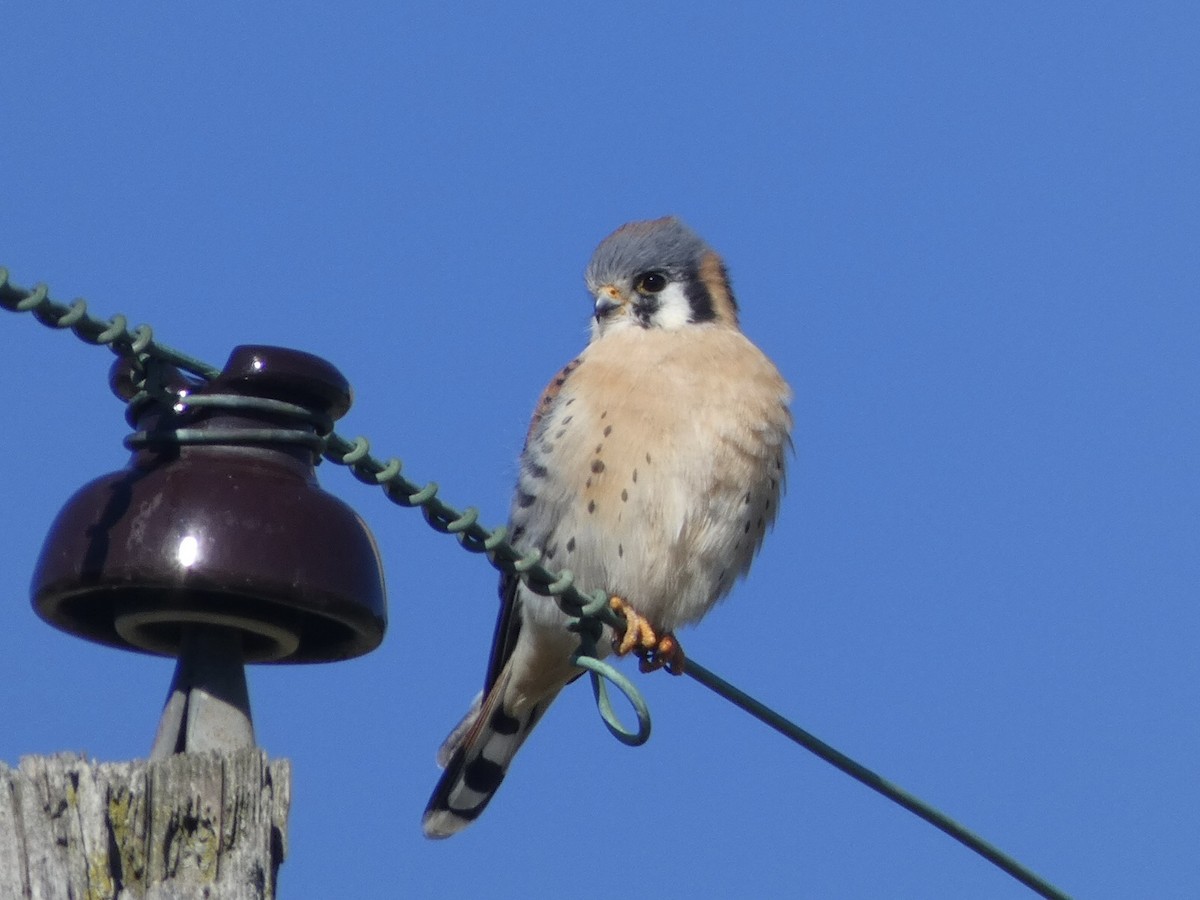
pixel 630 636
pixel 653 652
pixel 632 633
pixel 639 636
pixel 667 654
pixel 671 654
pixel 646 636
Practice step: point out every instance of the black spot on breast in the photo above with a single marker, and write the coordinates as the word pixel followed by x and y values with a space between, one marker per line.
pixel 620 549
pixel 604 415
pixel 558 434
pixel 599 447
pixel 589 482
pixel 547 447
pixel 571 545
pixel 567 419
pixel 524 500
pixel 647 458
pixel 597 466
pixel 518 532
pixel 552 551
pixel 624 495
pixel 746 530
pixel 569 402
pixel 607 430
pixel 761 524
pixel 747 498
pixel 635 476
pixel 591 506
pixel 536 470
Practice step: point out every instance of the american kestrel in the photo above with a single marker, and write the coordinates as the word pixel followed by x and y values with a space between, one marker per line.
pixel 652 468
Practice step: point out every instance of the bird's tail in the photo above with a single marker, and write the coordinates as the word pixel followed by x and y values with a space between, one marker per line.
pixel 476 757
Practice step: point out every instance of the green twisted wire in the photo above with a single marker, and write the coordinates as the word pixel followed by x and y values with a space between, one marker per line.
pixel 113 333
pixel 589 612
pixel 140 345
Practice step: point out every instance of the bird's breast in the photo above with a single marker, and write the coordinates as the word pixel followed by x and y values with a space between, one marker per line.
pixel 658 468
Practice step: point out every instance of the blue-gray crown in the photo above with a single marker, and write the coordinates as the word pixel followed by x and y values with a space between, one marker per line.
pixel 665 245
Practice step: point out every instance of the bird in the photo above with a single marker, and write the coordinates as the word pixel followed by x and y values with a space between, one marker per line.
pixel 652 468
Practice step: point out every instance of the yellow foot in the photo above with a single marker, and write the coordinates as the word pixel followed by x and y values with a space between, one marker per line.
pixel 653 652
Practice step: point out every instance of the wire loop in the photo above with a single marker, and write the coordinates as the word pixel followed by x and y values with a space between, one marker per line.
pixel 598 602
pixel 420 498
pixel 77 311
pixel 390 470
pixel 35 299
pixel 527 562
pixel 499 536
pixel 361 448
pixel 603 674
pixel 115 329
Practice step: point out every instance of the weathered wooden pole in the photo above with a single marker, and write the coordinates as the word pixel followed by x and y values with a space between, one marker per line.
pixel 191 825
pixel 216 546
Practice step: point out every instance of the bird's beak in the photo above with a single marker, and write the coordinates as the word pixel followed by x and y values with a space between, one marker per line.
pixel 609 299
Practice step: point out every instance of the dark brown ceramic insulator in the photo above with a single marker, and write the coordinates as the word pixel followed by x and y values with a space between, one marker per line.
pixel 215 544
pixel 230 530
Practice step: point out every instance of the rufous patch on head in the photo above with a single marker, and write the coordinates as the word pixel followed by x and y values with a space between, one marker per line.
pixel 716 279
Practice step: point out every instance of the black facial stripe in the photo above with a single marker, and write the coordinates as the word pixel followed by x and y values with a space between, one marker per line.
pixel 645 307
pixel 699 299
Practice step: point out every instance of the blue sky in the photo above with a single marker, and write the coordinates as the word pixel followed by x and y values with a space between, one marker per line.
pixel 967 234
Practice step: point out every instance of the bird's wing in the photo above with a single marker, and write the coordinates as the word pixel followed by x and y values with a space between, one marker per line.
pixel 508 623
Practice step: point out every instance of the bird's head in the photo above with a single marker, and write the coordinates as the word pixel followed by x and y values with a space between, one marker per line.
pixel 658 274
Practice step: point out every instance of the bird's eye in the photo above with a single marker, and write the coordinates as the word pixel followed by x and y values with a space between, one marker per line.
pixel 651 282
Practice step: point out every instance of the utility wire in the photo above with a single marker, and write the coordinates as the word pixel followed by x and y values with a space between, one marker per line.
pixel 875 782
pixel 589 610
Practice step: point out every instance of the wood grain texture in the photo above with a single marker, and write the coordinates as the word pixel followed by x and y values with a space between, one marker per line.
pixel 188 826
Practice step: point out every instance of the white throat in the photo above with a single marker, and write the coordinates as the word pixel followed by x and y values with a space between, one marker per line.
pixel 673 312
